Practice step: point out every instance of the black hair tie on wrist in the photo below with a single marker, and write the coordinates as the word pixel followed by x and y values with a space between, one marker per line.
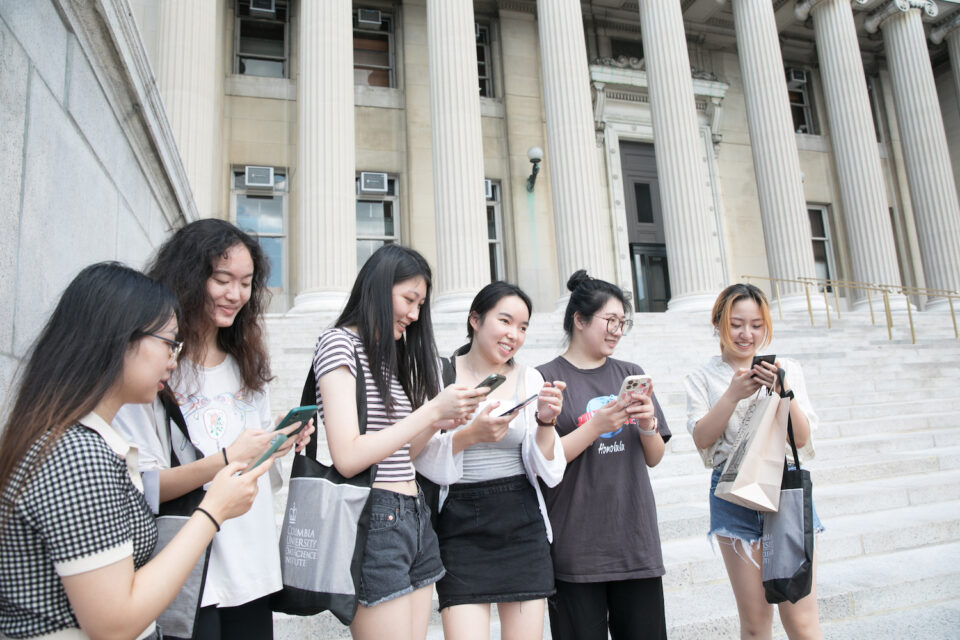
pixel 224 451
pixel 207 513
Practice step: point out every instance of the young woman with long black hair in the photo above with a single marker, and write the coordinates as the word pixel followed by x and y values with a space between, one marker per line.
pixel 76 533
pixel 719 394
pixel 386 323
pixel 606 545
pixel 493 527
pixel 219 275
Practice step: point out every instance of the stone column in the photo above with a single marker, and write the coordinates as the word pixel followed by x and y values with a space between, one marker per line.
pixel 786 225
pixel 463 265
pixel 571 154
pixel 932 191
pixel 696 274
pixel 327 172
pixel 873 255
pixel 187 33
pixel 951 34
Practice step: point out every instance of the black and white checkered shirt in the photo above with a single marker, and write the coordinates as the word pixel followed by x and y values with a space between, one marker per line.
pixel 79 512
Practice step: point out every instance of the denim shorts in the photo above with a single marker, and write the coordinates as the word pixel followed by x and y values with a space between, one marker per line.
pixel 402 553
pixel 494 544
pixel 740 523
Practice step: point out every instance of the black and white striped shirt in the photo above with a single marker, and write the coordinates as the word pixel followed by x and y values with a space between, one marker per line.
pixel 335 349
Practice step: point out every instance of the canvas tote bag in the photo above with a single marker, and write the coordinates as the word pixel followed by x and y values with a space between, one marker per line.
pixel 325 527
pixel 178 621
pixel 787 541
pixel 753 472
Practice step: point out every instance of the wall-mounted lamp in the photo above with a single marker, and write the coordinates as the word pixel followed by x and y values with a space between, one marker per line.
pixel 535 154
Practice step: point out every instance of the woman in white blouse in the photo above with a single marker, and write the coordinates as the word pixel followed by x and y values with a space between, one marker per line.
pixel 719 394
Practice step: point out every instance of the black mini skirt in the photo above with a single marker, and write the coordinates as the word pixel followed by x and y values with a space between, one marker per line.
pixel 493 544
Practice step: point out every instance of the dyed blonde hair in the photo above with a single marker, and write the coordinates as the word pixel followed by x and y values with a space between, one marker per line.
pixel 724 304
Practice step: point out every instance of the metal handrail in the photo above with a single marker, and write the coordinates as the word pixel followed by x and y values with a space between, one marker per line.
pixel 885 290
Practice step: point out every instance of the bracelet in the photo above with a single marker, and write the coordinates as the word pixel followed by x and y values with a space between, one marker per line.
pixel 652 431
pixel 541 423
pixel 207 513
pixel 225 461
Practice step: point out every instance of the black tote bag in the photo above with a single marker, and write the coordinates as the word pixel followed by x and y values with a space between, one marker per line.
pixel 788 534
pixel 324 527
pixel 178 621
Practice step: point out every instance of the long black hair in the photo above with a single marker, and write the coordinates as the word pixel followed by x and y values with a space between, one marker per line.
pixel 184 263
pixel 77 358
pixel 587 296
pixel 485 300
pixel 370 308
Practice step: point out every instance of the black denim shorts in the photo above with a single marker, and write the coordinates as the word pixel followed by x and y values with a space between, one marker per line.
pixel 402 554
pixel 494 544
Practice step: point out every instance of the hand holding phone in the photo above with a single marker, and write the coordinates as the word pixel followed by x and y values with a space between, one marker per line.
pixel 275 444
pixel 492 381
pixel 521 405
pixel 632 384
pixel 772 359
pixel 298 414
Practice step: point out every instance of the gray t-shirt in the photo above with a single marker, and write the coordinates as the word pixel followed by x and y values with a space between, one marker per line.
pixel 603 512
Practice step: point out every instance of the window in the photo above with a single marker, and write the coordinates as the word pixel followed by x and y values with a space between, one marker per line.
pixel 260 40
pixel 484 61
pixel 495 233
pixel 262 212
pixel 377 220
pixel 373 63
pixel 801 106
pixel 820 234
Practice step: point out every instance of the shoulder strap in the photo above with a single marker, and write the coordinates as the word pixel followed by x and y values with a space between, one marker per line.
pixel 173 412
pixel 793 442
pixel 309 396
pixel 448 372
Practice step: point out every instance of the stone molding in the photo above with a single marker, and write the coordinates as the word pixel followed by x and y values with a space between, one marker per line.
pixel 940 32
pixel 108 35
pixel 877 18
pixel 804 7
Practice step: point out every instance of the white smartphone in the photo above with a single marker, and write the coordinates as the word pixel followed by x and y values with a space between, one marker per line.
pixel 634 383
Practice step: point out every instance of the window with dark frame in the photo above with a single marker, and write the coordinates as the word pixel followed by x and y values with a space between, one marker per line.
pixel 261 212
pixel 373 54
pixel 801 103
pixel 377 220
pixel 495 233
pixel 820 236
pixel 261 41
pixel 484 61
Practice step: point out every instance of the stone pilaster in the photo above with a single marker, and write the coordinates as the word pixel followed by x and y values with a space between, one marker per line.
pixel 935 206
pixel 696 274
pixel 582 229
pixel 459 206
pixel 873 255
pixel 327 171
pixel 786 226
pixel 187 33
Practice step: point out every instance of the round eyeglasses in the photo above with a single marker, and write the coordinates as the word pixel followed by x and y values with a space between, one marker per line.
pixel 614 324
pixel 175 346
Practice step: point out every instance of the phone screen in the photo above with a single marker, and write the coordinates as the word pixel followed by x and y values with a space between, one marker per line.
pixel 521 405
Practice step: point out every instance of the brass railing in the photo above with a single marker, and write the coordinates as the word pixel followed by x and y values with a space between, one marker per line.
pixel 883 291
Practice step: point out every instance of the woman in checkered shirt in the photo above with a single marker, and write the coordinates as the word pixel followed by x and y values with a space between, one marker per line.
pixel 76 534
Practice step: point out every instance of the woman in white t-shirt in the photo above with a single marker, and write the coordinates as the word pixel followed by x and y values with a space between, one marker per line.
pixel 219 275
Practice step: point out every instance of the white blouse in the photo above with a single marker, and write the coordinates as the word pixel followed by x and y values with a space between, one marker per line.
pixel 706 385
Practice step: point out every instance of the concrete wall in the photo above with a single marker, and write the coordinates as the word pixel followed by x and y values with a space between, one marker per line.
pixel 76 187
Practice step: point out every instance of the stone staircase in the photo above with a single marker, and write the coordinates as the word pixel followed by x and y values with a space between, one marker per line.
pixel 886 475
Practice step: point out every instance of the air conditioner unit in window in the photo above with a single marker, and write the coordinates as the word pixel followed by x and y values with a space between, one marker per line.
pixel 258 177
pixel 369 17
pixel 488 189
pixel 373 182
pixel 796 78
pixel 263 8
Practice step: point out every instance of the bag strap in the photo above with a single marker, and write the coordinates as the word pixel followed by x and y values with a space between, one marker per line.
pixel 309 396
pixel 781 374
pixel 448 372
pixel 174 413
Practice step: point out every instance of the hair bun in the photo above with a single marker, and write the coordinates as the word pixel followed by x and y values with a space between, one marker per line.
pixel 578 278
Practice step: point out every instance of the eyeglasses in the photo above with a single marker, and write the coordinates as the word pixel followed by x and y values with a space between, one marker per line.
pixel 175 346
pixel 614 324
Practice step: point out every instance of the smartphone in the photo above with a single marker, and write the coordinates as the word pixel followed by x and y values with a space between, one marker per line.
pixel 521 405
pixel 634 383
pixel 298 414
pixel 275 444
pixel 493 381
pixel 758 359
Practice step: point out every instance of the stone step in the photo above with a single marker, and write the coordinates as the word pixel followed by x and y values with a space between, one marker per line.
pixel 846 590
pixel 934 621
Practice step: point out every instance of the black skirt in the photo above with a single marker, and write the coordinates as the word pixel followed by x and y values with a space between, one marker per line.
pixel 493 544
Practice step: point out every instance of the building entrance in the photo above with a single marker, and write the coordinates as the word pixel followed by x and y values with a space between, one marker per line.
pixel 648 251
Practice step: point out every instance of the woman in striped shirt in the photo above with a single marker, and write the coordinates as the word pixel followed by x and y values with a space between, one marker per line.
pixel 386 323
